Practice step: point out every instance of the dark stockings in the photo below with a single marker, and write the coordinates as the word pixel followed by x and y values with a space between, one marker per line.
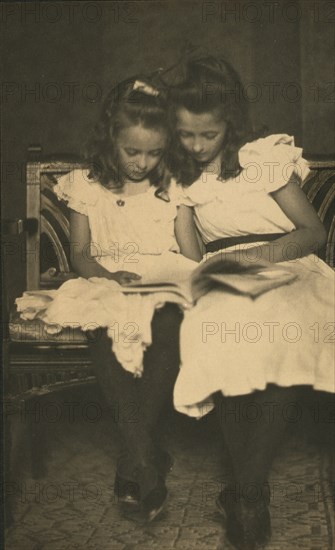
pixel 253 427
pixel 138 402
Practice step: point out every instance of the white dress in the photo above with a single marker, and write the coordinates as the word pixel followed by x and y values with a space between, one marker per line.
pixel 133 233
pixel 127 233
pixel 232 343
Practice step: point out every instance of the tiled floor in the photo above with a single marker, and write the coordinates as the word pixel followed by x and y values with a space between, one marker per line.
pixel 73 506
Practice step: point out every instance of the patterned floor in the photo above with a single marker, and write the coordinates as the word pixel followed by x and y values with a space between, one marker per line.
pixel 73 507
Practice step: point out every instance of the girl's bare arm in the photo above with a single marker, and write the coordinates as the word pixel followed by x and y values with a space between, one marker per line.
pixel 186 235
pixel 309 234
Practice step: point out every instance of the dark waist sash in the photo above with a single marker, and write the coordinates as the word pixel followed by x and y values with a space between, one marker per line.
pixel 215 246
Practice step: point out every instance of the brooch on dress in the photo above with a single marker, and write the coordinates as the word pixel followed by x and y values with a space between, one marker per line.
pixel 120 202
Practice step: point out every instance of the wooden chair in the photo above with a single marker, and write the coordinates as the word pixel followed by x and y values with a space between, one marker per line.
pixel 319 187
pixel 39 364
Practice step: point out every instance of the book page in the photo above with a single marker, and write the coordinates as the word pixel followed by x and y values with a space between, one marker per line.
pixel 256 283
pixel 168 268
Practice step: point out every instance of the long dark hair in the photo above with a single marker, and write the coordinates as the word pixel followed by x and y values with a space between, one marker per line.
pixel 210 84
pixel 134 101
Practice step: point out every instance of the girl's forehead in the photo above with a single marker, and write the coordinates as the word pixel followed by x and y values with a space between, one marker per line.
pixel 198 121
pixel 138 137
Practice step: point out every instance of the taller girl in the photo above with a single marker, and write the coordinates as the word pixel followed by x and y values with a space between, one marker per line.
pixel 248 355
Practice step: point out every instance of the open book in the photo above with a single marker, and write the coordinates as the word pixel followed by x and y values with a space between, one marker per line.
pixel 251 279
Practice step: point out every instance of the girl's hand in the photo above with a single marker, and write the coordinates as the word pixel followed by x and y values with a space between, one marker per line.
pixel 125 278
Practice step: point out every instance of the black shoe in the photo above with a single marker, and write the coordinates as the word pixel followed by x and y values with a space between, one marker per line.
pixel 126 491
pixel 248 524
pixel 154 502
pixel 227 501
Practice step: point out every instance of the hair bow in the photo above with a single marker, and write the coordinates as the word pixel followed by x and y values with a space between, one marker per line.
pixel 145 88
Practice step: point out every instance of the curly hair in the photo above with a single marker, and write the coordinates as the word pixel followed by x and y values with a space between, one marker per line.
pixel 126 105
pixel 210 84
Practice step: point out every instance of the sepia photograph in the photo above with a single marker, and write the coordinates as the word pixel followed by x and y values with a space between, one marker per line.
pixel 167 269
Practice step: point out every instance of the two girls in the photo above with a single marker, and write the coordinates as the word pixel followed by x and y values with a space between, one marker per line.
pixel 127 197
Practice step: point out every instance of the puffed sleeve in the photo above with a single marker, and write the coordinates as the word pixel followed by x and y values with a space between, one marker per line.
pixel 76 189
pixel 178 194
pixel 271 162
